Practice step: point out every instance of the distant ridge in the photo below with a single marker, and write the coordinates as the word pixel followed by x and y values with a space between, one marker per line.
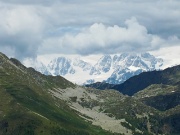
pixel 169 76
pixel 113 69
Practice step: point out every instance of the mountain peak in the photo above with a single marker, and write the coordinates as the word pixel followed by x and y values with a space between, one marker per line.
pixel 108 68
pixel 102 66
pixel 61 66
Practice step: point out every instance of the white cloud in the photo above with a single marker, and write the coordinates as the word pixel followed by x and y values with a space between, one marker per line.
pixel 20 30
pixel 33 27
pixel 99 38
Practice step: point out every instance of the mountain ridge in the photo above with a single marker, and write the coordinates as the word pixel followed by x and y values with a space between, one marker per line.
pixel 27 107
pixel 114 69
pixel 143 80
pixel 33 103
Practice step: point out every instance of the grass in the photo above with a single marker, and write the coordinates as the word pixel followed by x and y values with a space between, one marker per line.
pixel 27 112
pixel 26 107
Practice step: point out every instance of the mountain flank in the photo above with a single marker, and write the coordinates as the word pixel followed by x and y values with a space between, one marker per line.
pixel 35 104
pixel 27 107
pixel 169 76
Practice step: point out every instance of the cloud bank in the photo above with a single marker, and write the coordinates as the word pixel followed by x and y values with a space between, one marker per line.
pixel 34 27
pixel 99 38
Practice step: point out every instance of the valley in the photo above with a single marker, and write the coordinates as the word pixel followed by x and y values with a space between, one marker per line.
pixel 33 103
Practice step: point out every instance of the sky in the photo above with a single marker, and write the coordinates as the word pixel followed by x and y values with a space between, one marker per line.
pixel 31 28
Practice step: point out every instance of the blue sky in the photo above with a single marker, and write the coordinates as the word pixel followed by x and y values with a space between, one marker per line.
pixel 29 28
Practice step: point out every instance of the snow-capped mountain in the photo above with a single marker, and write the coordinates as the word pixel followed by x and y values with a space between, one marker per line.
pixel 37 65
pixel 102 66
pixel 60 66
pixel 127 65
pixel 112 69
pixel 82 64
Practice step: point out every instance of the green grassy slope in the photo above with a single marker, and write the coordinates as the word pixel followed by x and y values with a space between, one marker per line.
pixel 166 100
pixel 26 107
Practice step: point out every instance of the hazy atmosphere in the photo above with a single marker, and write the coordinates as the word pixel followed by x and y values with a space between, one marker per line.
pixel 39 27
